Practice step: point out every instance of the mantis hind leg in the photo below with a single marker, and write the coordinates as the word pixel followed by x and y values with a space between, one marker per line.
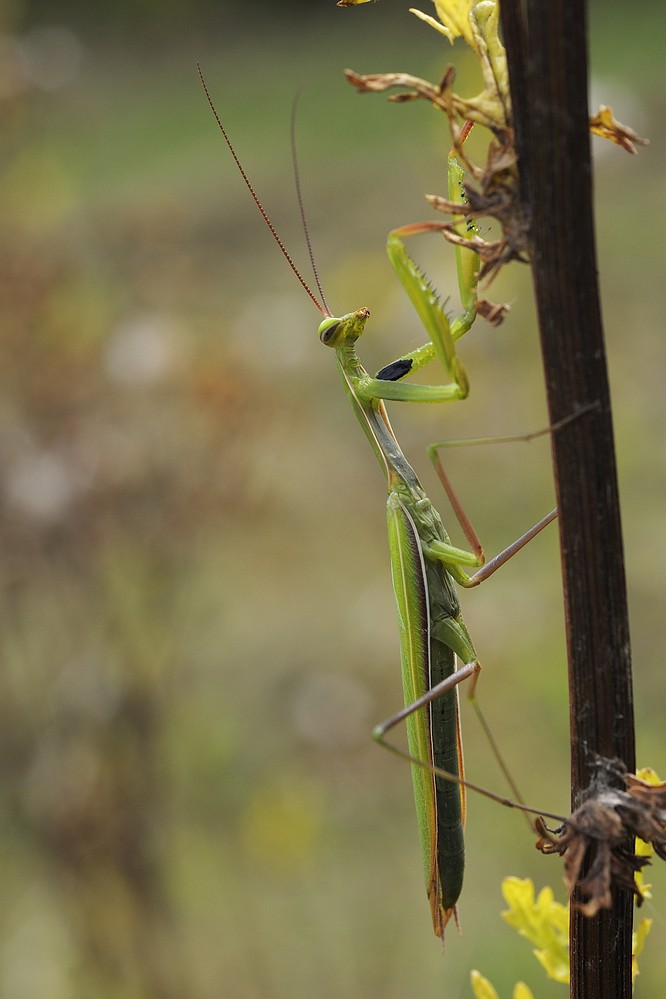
pixel 465 672
pixel 456 558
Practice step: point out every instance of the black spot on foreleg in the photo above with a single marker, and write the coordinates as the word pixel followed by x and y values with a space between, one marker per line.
pixel 396 370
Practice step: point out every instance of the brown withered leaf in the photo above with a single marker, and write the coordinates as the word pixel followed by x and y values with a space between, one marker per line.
pixel 599 836
pixel 492 312
pixel 458 109
pixel 604 124
pixel 441 95
pixel 497 195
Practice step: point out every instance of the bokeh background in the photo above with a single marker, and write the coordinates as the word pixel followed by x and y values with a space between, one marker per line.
pixel 197 620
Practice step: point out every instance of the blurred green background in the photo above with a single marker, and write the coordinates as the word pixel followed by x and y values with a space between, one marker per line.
pixel 197 619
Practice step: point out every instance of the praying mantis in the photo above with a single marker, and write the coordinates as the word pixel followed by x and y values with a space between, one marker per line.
pixel 425 565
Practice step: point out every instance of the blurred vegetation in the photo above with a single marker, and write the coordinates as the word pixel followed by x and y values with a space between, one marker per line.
pixel 197 622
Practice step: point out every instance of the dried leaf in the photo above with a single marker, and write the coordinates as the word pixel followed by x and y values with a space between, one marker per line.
pixel 604 124
pixel 498 187
pixel 599 836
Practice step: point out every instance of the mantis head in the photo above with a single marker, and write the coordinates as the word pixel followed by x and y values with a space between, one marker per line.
pixel 335 332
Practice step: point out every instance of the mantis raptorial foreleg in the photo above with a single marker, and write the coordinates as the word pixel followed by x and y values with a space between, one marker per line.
pixel 443 333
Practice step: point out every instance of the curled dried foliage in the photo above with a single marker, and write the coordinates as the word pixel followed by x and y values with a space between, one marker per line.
pixel 604 124
pixel 492 312
pixel 598 841
pixel 497 194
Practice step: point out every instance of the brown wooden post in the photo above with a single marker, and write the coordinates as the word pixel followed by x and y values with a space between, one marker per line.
pixel 547 53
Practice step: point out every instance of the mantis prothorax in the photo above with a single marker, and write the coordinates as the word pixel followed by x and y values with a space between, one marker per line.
pixel 424 564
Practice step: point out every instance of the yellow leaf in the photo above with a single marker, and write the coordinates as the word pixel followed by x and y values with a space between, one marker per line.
pixel 481 987
pixel 454 18
pixel 542 921
pixel 642 848
pixel 637 944
pixel 478 25
pixel 647 774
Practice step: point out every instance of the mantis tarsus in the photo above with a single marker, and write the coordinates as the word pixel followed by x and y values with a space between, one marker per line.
pixel 425 565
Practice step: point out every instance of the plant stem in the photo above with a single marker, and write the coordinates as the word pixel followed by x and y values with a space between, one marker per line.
pixel 547 54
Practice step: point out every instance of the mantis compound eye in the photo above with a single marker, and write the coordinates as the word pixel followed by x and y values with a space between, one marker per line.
pixel 328 329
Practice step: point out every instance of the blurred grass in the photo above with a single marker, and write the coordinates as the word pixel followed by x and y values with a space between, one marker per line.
pixel 198 626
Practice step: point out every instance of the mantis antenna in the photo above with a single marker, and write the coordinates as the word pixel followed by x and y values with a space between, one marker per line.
pixel 322 308
pixel 299 195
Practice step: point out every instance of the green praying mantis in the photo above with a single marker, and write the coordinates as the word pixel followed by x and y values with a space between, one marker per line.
pixel 425 565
